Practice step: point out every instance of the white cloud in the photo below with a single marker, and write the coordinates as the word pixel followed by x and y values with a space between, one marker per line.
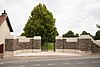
pixel 75 15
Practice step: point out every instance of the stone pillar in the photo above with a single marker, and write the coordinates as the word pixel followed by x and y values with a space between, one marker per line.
pixel 59 44
pixel 24 45
pixel 85 44
pixel 10 43
pixel 37 44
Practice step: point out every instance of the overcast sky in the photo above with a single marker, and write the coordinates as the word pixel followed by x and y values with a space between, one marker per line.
pixel 75 15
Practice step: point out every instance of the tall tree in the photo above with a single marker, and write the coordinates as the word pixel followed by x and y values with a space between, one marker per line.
pixel 97 35
pixel 41 23
pixel 69 34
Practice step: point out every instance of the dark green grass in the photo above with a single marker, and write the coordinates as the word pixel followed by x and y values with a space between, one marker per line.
pixel 48 46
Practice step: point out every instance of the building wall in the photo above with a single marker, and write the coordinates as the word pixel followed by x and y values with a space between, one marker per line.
pixel 4 31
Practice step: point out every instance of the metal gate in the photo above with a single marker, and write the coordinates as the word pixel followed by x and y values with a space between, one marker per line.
pixel 46 45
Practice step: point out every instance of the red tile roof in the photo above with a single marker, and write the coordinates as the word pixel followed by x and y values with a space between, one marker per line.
pixel 4 17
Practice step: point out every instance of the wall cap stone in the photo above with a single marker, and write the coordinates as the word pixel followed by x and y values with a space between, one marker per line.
pixel 23 39
pixel 59 37
pixel 85 37
pixel 11 37
pixel 97 42
pixel 72 39
pixel 37 37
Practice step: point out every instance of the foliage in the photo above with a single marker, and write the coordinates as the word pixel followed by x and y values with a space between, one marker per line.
pixel 97 35
pixel 41 23
pixel 23 34
pixel 76 35
pixel 69 34
pixel 85 33
pixel 98 26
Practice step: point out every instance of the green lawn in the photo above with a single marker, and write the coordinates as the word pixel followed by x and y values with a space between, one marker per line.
pixel 50 46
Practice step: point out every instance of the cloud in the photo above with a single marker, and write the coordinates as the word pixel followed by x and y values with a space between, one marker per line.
pixel 75 15
pixel 95 12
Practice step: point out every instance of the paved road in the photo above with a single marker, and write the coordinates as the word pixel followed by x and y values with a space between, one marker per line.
pixel 87 62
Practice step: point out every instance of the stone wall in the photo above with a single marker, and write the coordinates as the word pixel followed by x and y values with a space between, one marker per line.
pixel 59 44
pixel 11 44
pixel 37 44
pixel 66 43
pixel 95 48
pixel 19 43
pixel 84 43
pixel 70 45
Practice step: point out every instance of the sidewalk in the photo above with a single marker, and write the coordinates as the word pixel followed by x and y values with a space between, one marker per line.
pixel 47 54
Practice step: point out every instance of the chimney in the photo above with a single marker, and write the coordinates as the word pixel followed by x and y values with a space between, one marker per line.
pixel 4 14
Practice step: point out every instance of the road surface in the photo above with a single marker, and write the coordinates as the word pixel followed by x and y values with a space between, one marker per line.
pixel 82 62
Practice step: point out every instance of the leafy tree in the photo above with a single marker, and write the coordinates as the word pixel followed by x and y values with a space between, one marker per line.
pixel 23 34
pixel 98 26
pixel 97 35
pixel 69 34
pixel 41 23
pixel 85 33
pixel 76 35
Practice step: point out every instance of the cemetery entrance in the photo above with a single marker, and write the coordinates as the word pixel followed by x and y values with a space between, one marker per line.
pixel 46 45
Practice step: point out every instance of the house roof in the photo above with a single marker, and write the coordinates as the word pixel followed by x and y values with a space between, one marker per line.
pixel 4 17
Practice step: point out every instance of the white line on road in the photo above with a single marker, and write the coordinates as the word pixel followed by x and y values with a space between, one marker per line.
pixel 95 62
pixel 18 66
pixel 66 63
pixel 37 65
pixel 10 66
pixel 51 64
pixel 1 63
pixel 22 65
pixel 80 62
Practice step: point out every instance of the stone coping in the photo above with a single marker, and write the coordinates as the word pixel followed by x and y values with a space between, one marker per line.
pixel 11 37
pixel 80 37
pixel 85 37
pixel 71 39
pixel 59 37
pixel 37 37
pixel 21 37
